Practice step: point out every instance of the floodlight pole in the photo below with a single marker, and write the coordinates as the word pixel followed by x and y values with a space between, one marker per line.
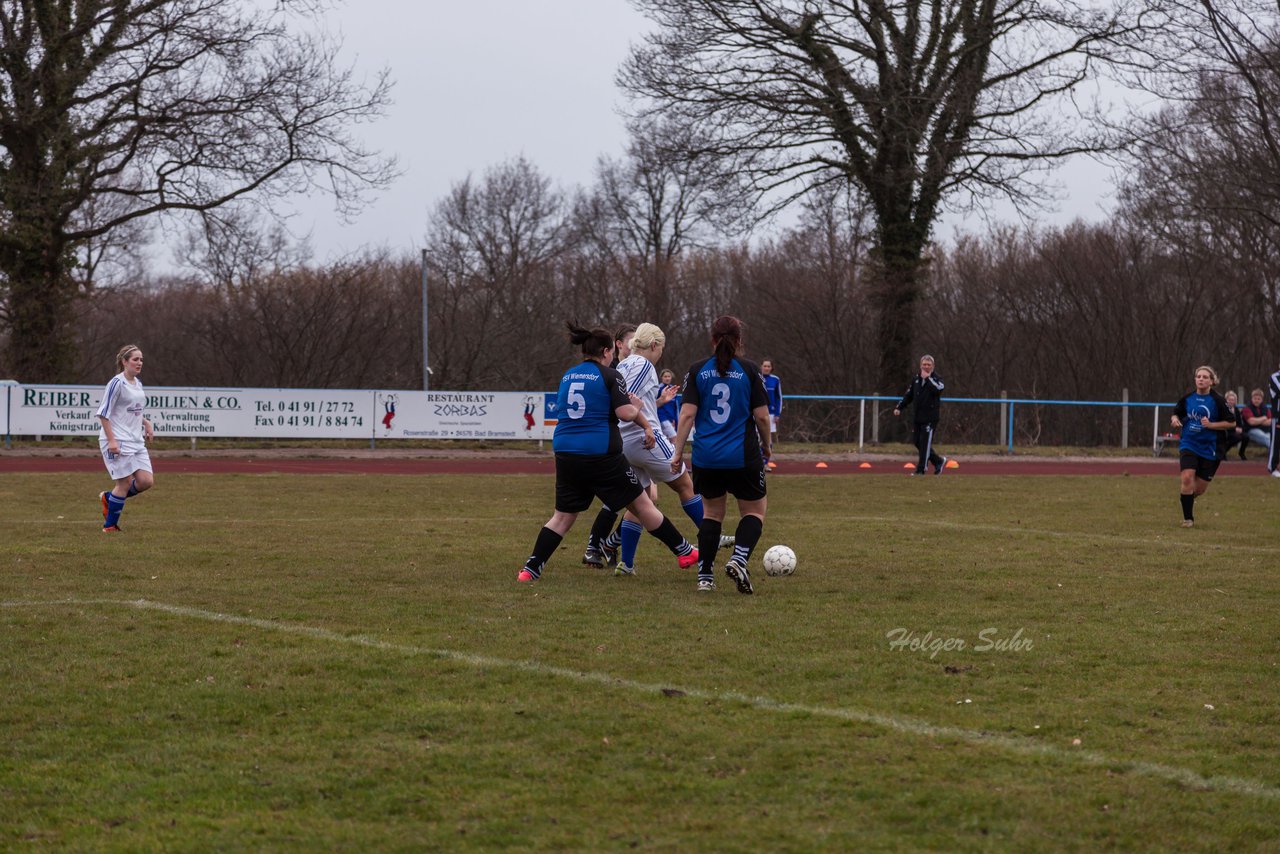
pixel 426 371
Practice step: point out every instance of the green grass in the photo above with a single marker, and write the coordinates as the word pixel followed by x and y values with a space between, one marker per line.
pixel 341 662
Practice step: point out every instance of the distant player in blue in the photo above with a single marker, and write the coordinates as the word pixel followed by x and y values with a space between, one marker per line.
pixel 724 399
pixel 669 412
pixel 772 388
pixel 1204 416
pixel 589 462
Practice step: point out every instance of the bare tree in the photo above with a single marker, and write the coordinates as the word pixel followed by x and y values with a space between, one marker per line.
pixel 113 111
pixel 911 103
pixel 1206 174
pixel 648 208
pixel 494 246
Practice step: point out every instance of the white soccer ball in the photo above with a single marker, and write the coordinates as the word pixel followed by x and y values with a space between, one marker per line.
pixel 779 560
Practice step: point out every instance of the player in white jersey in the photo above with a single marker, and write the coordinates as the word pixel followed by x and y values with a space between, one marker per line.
pixel 648 452
pixel 123 436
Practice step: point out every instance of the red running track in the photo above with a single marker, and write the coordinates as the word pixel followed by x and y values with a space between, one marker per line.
pixel 479 463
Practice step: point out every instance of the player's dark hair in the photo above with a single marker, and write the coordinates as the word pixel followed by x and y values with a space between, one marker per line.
pixel 592 341
pixel 726 341
pixel 623 331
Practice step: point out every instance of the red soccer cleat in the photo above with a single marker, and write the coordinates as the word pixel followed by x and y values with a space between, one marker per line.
pixel 686 561
pixel 112 529
pixel 526 577
pixel 102 496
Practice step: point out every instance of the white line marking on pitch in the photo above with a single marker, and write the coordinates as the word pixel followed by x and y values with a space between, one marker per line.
pixel 896 723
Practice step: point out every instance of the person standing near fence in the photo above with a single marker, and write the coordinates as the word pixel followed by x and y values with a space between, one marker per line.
pixel 773 389
pixel 123 436
pixel 1204 417
pixel 925 392
pixel 669 412
pixel 1237 436
pixel 1273 453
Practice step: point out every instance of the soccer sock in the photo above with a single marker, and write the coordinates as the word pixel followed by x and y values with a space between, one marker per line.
pixel 1188 501
pixel 630 536
pixel 601 527
pixel 543 548
pixel 614 540
pixel 708 545
pixel 133 488
pixel 693 508
pixel 671 538
pixel 115 505
pixel 745 538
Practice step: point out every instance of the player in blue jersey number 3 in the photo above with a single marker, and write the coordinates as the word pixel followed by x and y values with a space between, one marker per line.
pixel 724 398
pixel 588 447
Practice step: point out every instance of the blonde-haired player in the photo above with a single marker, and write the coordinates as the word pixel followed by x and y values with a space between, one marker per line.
pixel 123 436
pixel 651 461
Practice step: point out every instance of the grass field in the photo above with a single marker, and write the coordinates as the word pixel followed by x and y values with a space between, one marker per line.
pixel 332 663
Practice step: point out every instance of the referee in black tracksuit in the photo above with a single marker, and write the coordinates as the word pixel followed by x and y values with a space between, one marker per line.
pixel 926 391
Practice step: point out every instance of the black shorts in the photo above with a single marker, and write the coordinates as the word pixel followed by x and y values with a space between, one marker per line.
pixel 744 484
pixel 1204 469
pixel 583 477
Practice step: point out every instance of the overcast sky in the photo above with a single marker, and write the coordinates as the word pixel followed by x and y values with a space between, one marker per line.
pixel 482 81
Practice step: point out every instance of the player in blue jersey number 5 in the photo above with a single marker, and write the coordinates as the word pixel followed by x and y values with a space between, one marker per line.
pixel 1204 416
pixel 724 398
pixel 589 462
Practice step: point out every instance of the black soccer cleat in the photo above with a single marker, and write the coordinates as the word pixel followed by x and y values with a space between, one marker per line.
pixel 738 572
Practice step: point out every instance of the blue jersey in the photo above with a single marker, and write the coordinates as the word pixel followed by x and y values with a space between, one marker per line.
pixel 725 426
pixel 1196 438
pixel 669 411
pixel 773 389
pixel 589 395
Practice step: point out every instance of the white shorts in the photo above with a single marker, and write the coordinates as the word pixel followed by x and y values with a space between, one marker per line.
pixel 773 424
pixel 121 466
pixel 669 429
pixel 651 465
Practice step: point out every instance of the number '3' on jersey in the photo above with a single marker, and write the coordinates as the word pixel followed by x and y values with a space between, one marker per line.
pixel 725 434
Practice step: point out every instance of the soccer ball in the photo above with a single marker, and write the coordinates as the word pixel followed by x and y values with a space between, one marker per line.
pixel 779 560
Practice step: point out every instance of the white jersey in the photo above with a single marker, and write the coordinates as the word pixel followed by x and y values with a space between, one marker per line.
pixel 122 404
pixel 641 378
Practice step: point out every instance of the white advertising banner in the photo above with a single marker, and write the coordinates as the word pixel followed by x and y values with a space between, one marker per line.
pixel 37 410
pixel 465 415
pixel 65 410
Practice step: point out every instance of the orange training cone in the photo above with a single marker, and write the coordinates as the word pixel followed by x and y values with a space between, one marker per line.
pixel 908 465
pixel 952 464
pixel 864 465
pixel 821 466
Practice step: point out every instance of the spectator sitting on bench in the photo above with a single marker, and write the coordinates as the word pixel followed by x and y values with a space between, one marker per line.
pixel 1257 418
